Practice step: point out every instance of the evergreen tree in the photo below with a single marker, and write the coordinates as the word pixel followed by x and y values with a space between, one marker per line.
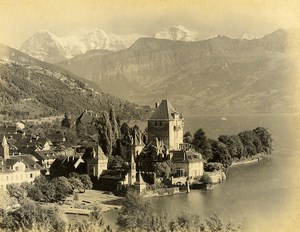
pixel 66 122
pixel 105 132
pixel 202 145
pixel 115 127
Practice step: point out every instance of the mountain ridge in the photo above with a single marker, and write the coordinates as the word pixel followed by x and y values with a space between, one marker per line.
pixel 196 73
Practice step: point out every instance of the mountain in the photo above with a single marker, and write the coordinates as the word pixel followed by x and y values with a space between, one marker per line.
pixel 218 75
pixel 177 33
pixel 46 46
pixel 32 88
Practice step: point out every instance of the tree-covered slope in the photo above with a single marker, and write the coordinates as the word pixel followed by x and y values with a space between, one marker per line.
pixel 31 88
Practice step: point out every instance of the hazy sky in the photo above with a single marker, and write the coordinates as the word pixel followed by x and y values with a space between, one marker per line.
pixel 19 19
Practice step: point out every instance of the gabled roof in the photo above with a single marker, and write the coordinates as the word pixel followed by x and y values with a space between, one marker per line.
pixel 164 111
pixel 137 138
pixel 28 160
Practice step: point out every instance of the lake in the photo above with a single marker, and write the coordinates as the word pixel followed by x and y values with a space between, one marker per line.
pixel 263 196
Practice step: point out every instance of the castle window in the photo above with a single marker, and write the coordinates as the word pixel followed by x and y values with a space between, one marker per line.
pixel 160 123
pixel 155 123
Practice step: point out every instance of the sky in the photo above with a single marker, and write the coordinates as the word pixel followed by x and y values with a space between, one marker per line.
pixel 19 19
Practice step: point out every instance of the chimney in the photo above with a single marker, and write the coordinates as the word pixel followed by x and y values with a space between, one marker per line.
pixel 156 105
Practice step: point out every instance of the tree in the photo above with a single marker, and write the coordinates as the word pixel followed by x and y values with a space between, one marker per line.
pixel 230 144
pixel 86 181
pixel 125 128
pixel 163 169
pixel 251 142
pixel 106 136
pixel 31 216
pixel 115 162
pixel 206 179
pixel 265 138
pixel 62 188
pixel 16 192
pixel 80 129
pixel 43 190
pixel 220 153
pixel 135 214
pixel 71 136
pixel 202 145
pixel 76 184
pixel 187 138
pixel 115 126
pixel 66 122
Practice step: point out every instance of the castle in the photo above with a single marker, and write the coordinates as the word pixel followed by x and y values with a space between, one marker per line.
pixel 166 124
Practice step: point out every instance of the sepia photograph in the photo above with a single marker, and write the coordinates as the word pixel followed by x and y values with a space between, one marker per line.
pixel 149 116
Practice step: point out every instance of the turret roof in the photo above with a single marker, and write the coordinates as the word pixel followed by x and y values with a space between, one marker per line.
pixel 164 111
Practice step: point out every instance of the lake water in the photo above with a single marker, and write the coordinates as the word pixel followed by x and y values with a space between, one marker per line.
pixel 263 196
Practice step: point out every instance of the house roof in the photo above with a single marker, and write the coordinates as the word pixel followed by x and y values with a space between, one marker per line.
pixel 56 137
pixel 165 110
pixel 45 155
pixel 8 129
pixel 86 117
pixel 186 156
pixel 28 160
pixel 67 162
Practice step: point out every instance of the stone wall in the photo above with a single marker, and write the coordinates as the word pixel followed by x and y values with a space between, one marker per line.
pixel 158 129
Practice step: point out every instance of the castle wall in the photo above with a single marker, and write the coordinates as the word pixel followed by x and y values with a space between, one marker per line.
pixel 158 129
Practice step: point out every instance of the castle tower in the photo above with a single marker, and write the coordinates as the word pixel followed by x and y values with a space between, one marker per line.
pixel 166 124
pixel 132 171
pixel 4 148
pixel 97 163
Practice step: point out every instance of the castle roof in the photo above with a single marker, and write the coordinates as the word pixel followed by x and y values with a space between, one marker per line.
pixel 164 111
pixel 186 156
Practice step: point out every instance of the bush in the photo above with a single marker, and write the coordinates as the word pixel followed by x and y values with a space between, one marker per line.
pixel 206 179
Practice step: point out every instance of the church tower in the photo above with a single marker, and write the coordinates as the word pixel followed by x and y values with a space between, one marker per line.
pixel 4 148
pixel 166 124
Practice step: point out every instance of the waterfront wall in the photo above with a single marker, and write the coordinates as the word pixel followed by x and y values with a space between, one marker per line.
pixel 217 176
pixel 161 192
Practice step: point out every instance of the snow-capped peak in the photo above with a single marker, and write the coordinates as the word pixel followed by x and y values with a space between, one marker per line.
pixel 176 33
pixel 46 46
pixel 247 36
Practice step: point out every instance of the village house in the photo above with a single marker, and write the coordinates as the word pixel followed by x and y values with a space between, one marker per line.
pixel 18 168
pixel 187 164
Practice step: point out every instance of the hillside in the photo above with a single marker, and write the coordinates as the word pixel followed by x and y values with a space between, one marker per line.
pixel 31 88
pixel 217 75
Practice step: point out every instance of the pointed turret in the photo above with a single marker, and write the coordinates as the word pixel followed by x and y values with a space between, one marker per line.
pixel 132 171
pixel 4 150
